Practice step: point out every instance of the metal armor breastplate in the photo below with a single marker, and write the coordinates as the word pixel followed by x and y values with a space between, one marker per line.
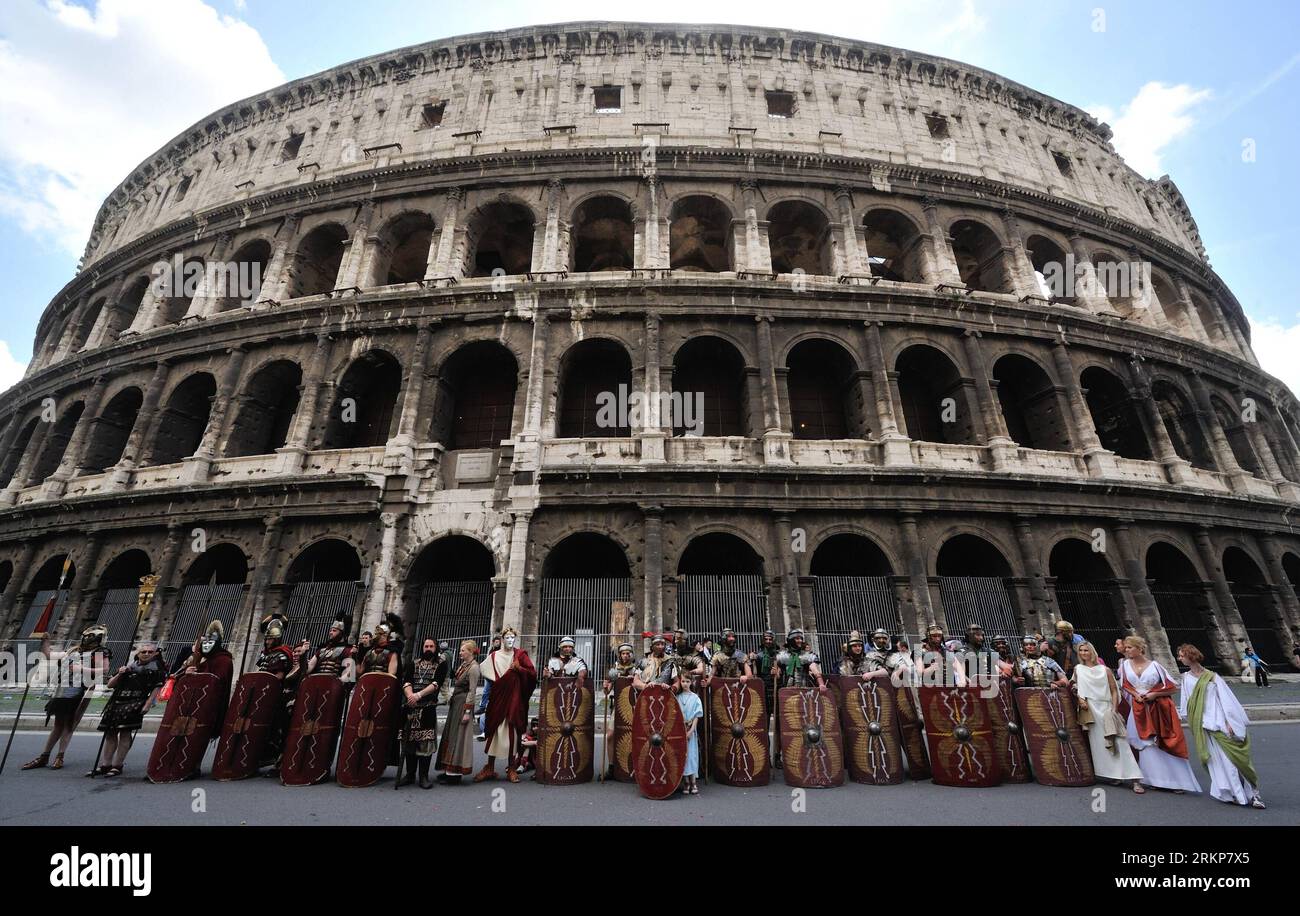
pixel 329 660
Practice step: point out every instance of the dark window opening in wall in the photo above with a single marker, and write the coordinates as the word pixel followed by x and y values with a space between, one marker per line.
pixel 1180 597
pixel 183 420
pixel 183 188
pixel 449 591
pixel 1238 438
pixel 602 235
pixel 935 406
pixel 849 555
pixel 224 564
pixel 709 372
pixel 501 239
pixel 474 407
pixel 1063 164
pixel 973 587
pixel 938 126
pixel 609 99
pixel 323 583
pixel 1182 425
pixel 1050 269
pixel 780 104
pixel 319 257
pixel 16 451
pixel 266 410
pixel 404 245
pixel 180 291
pixel 1258 604
pixel 721 584
pixel 699 235
pixel 123 316
pixel 431 115
pixel 86 326
pixel 110 431
pixel 1086 594
pixel 1030 404
pixel 586 554
pixel 591 376
pixel 56 442
pixel 893 246
pixel 823 401
pixel 244 284
pixel 365 404
pixel 799 239
pixel 1114 414
pixel 582 577
pixel 291 147
pixel 979 257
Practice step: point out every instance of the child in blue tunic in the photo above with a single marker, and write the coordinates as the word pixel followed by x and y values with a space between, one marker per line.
pixel 692 712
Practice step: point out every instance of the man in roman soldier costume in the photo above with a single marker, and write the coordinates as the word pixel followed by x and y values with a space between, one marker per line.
pixel 858 662
pixel 423 678
pixel 513 679
pixel 1037 670
pixel 385 648
pixel 624 666
pixel 979 661
pixel 72 673
pixel 196 709
pixel 567 663
pixel 656 668
pixel 728 660
pixel 135 690
pixel 880 642
pixel 335 656
pixel 1063 648
pixel 1007 659
pixel 284 663
pixel 689 659
pixel 797 665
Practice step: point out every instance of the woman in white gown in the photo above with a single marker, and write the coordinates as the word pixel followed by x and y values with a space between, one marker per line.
pixel 1154 731
pixel 1094 685
pixel 1218 724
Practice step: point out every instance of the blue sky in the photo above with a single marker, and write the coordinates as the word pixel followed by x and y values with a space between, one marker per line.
pixel 88 89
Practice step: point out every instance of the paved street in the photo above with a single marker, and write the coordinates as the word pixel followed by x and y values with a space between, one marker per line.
pixel 66 797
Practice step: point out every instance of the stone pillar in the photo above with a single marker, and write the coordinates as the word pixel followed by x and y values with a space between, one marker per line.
pixel 554 249
pixel 254 606
pixel 86 566
pixel 1044 605
pixel 1286 604
pixel 1195 325
pixel 293 455
pixel 776 438
pixel 791 605
pixel 917 575
pixel 133 452
pixel 1022 269
pixel 528 447
pixel 57 483
pixel 896 447
pixel 212 286
pixel 1002 448
pixel 413 390
pixel 198 465
pixel 158 618
pixel 749 234
pixel 514 613
pixel 652 614
pixel 442 256
pixel 651 432
pixel 1272 470
pixel 1100 461
pixel 1176 466
pixel 275 282
pixel 11 614
pixel 655 232
pixel 354 253
pixel 112 293
pixel 1087 288
pixel 1238 476
pixel 939 246
pixel 1148 624
pixel 1234 630
pixel 854 247
pixel 381 582
pixel 23 471
pixel 149 312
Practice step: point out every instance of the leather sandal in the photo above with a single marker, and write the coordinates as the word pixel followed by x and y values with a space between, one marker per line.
pixel 58 762
pixel 37 762
pixel 485 774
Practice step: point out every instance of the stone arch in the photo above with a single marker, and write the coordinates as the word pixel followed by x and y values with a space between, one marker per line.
pixel 1030 405
pixel 591 370
pixel 973 574
pixel 184 420
pixel 250 261
pixel 364 412
pixel 799 238
pixel 402 249
pixel 1049 261
pixel 980 259
pixel 14 458
pixel 323 583
pixel 56 442
pixel 1179 416
pixel 500 237
pixel 699 234
pixel 927 379
pixel 1115 416
pixel 318 260
pixel 714 369
pixel 1115 276
pixel 1173 306
pixel 47 582
pixel 1087 594
pixel 449 590
pixel 266 410
pixel 86 324
pixel 1179 593
pixel 117 600
pixel 1238 438
pixel 220 564
pixel 894 245
pixel 601 234
pixel 111 430
pixel 128 306
pixel 849 553
pixel 1254 597
pixel 474 407
pixel 825 400
pixel 178 290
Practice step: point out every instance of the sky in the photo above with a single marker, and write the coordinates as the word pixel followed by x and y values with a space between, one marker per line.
pixel 1205 92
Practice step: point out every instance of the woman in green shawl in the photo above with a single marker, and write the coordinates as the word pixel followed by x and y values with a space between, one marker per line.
pixel 1218 723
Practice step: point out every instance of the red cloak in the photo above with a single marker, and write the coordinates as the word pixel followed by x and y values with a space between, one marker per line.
pixel 1159 719
pixel 508 700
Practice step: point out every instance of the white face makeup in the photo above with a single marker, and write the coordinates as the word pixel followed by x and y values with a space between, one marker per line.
pixel 510 642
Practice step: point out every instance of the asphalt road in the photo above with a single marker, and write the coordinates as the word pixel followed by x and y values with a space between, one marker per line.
pixel 66 797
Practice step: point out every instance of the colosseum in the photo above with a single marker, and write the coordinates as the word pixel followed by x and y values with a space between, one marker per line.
pixel 814 270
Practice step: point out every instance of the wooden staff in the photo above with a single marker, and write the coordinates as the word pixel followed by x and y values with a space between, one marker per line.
pixel 144 600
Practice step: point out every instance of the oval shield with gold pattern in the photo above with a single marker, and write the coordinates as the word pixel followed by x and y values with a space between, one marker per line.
pixel 812 752
pixel 1058 749
pixel 873 745
pixel 960 737
pixel 249 717
pixel 738 720
pixel 1008 736
pixel 658 742
pixel 620 737
pixel 313 731
pixel 909 726
pixel 368 730
pixel 566 737
pixel 188 723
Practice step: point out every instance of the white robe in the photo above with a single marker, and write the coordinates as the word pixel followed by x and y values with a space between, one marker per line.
pixel 1118 762
pixel 1223 713
pixel 1159 767
pixel 500 743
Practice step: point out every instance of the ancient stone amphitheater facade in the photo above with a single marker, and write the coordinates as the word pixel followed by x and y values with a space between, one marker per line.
pixel 837 248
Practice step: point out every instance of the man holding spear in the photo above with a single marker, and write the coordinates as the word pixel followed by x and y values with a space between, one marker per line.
pixel 135 690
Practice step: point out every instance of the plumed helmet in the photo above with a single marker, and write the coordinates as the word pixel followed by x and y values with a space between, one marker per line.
pixel 93 637
pixel 855 639
pixel 274 625
pixel 213 637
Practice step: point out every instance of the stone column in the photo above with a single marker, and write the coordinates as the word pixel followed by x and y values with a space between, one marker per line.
pixel 199 465
pixel 654 245
pixel 11 614
pixel 1272 470
pixel 382 580
pixel 112 293
pixel 1286 604
pixel 212 288
pixel 651 432
pixel 354 253
pixel 918 576
pixel 254 605
pixel 514 613
pixel 133 452
pixel 1195 325
pixel 1087 288
pixel 412 394
pixel 57 483
pixel 293 456
pixel 776 438
pixel 35 445
pixel 1044 605
pixel 442 256
pixel 1100 461
pixel 652 614
pixel 168 590
pixel 1238 476
pixel 939 246
pixel 1022 269
pixel 276 280
pixel 1176 466
pixel 1234 635
pixel 896 447
pixel 148 314
pixel 854 248
pixel 1148 623
pixel 1002 448
pixel 554 250
pixel 86 565
pixel 791 605
pixel 528 446
pixel 749 234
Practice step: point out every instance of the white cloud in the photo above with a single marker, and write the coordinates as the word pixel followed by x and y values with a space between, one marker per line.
pixel 1156 116
pixel 1276 345
pixel 11 370
pixel 86 94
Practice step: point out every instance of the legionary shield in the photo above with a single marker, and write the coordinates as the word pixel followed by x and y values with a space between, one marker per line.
pixel 1008 736
pixel 658 742
pixel 368 731
pixel 738 720
pixel 566 738
pixel 909 725
pixel 873 745
pixel 249 718
pixel 620 738
pixel 189 722
pixel 812 752
pixel 1058 750
pixel 960 737
pixel 313 731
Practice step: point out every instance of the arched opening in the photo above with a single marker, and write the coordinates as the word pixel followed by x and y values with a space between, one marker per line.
pixel 721 583
pixel 476 397
pixel 1255 602
pixel 602 235
pixel 979 257
pixel 1275 436
pixel 799 238
pixel 1234 428
pixel 110 430
pixel 50 584
pixel 1087 595
pixel 893 246
pixel 1051 276
pixel 1169 302
pixel 584 592
pixel 973 583
pixel 119 593
pixel 501 240
pixel 1030 406
pixel 184 420
pixel 825 401
pixel 243 287
pixel 17 451
pixel 935 406
pixel 56 442
pixel 365 405
pixel 266 410
pixel 123 316
pixel 402 255
pixel 1290 567
pixel 319 257
pixel 1180 597
pixel 851 590
pixel 699 235
pixel 323 584
pixel 1181 424
pixel 590 379
pixel 449 592
pixel 1209 318
pixel 709 372
pixel 86 325
pixel 180 289
pixel 1120 281
pixel 1114 415
pixel 212 588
